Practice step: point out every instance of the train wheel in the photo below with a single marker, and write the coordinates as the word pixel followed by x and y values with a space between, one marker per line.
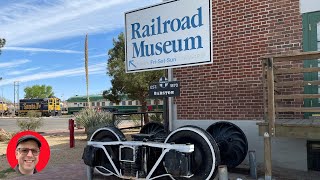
pixel 153 128
pixel 206 152
pixel 108 134
pixel 157 129
pixel 232 142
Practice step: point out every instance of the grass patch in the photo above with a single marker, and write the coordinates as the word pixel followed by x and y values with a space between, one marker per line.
pixel 4 173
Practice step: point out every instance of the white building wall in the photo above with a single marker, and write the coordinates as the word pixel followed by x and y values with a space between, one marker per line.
pixel 309 6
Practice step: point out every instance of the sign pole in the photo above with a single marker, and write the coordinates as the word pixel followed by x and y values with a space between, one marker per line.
pixel 165 114
pixel 170 103
pixel 169 100
pixel 165 89
pixel 166 108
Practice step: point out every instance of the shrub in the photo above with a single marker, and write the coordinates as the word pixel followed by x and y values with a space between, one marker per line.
pixel 92 119
pixel 136 118
pixel 33 122
pixel 5 136
pixel 4 173
pixel 156 118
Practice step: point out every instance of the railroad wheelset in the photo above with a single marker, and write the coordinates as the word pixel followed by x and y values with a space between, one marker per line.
pixel 189 152
pixel 232 142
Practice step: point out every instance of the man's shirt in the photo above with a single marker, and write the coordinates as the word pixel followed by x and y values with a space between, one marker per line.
pixel 18 171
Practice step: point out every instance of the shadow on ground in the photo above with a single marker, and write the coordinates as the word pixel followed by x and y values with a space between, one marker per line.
pixel 67 163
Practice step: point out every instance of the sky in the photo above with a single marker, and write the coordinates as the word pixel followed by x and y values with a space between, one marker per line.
pixel 45 43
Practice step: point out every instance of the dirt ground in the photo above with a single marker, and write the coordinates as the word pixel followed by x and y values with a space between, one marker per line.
pixel 68 161
pixel 60 151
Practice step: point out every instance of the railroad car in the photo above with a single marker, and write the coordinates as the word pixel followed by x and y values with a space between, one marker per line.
pixel 76 103
pixel 4 108
pixel 45 106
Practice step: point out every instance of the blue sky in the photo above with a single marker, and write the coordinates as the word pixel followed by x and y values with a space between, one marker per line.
pixel 45 43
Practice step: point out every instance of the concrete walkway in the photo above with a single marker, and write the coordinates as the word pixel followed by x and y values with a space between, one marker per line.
pixel 78 172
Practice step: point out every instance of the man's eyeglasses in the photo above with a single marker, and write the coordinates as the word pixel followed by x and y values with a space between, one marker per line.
pixel 25 151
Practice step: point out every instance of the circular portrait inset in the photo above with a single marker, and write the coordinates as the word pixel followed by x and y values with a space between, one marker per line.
pixel 28 152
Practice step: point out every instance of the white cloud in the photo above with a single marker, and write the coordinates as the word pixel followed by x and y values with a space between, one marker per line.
pixel 99 55
pixel 22 72
pixel 29 49
pixel 14 63
pixel 31 22
pixel 93 69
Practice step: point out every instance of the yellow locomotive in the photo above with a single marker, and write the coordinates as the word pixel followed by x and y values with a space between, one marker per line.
pixel 4 108
pixel 45 106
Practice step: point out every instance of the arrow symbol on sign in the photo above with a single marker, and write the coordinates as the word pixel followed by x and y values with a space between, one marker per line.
pixel 131 63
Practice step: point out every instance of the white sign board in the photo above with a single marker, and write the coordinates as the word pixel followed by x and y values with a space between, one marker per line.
pixel 170 34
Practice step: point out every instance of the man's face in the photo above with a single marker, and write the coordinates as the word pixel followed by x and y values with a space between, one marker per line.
pixel 27 154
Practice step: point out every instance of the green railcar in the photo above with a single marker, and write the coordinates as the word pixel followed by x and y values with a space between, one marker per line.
pixel 76 103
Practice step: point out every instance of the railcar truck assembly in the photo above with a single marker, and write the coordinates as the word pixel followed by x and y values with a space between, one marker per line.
pixel 189 152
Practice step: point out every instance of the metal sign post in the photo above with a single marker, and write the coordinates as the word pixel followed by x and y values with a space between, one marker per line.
pixel 170 101
pixel 165 89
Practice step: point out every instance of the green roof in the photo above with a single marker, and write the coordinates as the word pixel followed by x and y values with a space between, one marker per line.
pixel 84 98
pixel 92 98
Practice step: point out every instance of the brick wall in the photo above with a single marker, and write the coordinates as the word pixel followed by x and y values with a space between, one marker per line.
pixel 243 32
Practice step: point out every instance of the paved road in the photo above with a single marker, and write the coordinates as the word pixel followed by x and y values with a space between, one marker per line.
pixel 50 123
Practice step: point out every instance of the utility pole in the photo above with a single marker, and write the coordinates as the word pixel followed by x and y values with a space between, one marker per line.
pixel 2 107
pixel 2 99
pixel 15 95
pixel 14 98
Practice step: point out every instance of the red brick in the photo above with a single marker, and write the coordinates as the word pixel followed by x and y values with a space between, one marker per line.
pixel 231 87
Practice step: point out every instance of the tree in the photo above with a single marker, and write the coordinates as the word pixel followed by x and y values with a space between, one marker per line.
pixel 38 91
pixel 2 43
pixel 134 85
pixel 112 95
pixel 33 122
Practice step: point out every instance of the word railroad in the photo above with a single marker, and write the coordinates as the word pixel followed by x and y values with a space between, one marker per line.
pixel 158 26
